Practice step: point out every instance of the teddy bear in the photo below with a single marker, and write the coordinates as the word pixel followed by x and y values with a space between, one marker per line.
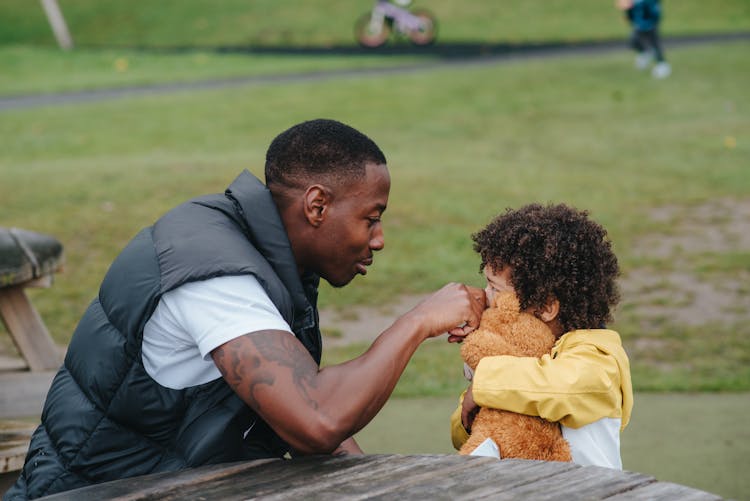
pixel 505 330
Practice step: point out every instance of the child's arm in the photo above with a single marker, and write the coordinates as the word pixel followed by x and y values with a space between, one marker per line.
pixel 462 418
pixel 581 385
pixel 459 435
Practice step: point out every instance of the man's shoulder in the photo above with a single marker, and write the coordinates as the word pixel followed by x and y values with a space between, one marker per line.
pixel 242 287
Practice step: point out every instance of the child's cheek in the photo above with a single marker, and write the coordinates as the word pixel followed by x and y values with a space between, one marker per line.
pixel 489 292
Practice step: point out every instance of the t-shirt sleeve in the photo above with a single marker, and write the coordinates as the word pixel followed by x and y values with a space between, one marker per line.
pixel 220 309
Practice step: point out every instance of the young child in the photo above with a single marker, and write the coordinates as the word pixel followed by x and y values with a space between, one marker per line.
pixel 644 16
pixel 562 269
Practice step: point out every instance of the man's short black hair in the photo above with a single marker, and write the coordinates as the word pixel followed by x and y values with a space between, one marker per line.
pixel 320 149
pixel 554 251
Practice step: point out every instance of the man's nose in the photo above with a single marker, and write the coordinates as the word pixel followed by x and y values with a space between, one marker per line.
pixel 377 241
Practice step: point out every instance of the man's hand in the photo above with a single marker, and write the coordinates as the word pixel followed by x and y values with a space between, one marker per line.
pixel 469 409
pixel 455 309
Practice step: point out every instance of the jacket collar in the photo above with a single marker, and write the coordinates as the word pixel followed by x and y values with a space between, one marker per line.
pixel 262 223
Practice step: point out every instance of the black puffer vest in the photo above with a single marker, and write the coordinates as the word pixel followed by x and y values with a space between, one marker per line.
pixel 104 417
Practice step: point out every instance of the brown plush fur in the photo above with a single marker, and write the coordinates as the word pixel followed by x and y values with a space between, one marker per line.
pixel 505 331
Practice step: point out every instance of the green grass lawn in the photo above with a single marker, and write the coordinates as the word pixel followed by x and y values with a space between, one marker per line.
pixel 39 70
pixel 462 143
pixel 170 23
pixel 121 43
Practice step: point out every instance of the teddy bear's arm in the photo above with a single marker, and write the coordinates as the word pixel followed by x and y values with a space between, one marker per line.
pixel 483 343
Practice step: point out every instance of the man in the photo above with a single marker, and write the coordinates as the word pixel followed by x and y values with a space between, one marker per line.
pixel 203 344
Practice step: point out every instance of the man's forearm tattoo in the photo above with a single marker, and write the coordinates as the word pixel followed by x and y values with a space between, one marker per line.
pixel 233 366
pixel 245 372
pixel 289 353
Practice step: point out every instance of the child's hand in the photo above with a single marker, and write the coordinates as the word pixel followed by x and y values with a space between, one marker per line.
pixel 469 409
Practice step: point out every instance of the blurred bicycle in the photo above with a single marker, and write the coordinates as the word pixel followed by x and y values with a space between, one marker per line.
pixel 374 28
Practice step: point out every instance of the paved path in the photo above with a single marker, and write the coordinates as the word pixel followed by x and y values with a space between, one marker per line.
pixel 457 55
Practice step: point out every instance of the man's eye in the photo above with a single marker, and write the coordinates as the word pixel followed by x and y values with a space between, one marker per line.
pixel 373 220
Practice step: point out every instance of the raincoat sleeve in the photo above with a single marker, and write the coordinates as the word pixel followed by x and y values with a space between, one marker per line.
pixel 459 435
pixel 575 387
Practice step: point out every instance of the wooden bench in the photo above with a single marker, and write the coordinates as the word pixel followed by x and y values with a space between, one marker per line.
pixel 28 259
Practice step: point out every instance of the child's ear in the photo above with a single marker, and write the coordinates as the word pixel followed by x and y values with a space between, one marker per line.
pixel 550 310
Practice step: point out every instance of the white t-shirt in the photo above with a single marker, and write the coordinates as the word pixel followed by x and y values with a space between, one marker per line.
pixel 195 318
pixel 596 443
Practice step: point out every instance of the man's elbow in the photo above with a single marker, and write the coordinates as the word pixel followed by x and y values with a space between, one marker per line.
pixel 322 437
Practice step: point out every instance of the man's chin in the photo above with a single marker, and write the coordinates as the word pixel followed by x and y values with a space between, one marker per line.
pixel 340 282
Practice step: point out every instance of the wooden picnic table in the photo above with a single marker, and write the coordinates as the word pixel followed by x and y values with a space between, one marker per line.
pixel 389 476
pixel 28 259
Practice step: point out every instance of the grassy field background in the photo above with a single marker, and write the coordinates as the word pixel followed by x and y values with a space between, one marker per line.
pixel 141 42
pixel 232 23
pixel 463 143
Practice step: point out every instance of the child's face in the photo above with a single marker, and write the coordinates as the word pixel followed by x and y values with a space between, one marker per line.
pixel 497 282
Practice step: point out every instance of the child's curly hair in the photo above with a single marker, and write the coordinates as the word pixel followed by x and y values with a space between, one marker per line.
pixel 554 252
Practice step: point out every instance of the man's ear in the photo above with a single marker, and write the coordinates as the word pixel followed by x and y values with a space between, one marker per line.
pixel 550 310
pixel 316 203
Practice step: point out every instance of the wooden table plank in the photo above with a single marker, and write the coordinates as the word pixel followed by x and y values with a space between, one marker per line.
pixel 387 477
pixel 334 476
pixel 151 486
pixel 593 482
pixel 12 455
pixel 14 442
pixel 395 475
pixel 665 491
pixel 306 473
pixel 482 480
pixel 323 473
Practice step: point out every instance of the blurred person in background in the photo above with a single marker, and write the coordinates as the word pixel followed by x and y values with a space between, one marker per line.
pixel 644 16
